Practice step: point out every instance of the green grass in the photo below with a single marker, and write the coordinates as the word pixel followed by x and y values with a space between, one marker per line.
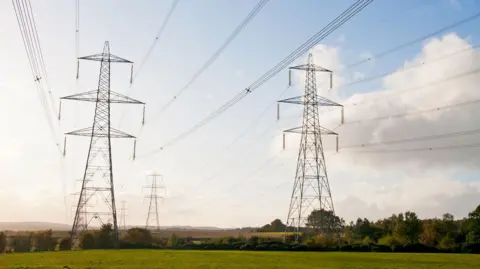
pixel 234 259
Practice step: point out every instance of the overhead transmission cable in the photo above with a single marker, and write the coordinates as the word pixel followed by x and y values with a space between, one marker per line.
pixel 420 64
pixel 258 7
pixel 416 40
pixel 412 139
pixel 332 26
pixel 240 136
pixel 157 37
pixel 31 42
pixel 415 88
pixel 403 115
pixel 450 147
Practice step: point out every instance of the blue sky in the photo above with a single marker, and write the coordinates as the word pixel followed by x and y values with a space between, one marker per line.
pixel 195 31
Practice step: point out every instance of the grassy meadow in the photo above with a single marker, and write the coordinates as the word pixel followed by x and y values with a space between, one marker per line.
pixel 233 259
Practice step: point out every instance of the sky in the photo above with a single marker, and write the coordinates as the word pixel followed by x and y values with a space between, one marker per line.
pixel 217 176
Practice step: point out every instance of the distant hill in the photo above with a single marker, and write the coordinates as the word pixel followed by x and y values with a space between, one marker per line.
pixel 33 226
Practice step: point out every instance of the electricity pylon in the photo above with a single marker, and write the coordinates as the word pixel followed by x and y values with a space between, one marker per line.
pixel 153 200
pixel 98 176
pixel 311 189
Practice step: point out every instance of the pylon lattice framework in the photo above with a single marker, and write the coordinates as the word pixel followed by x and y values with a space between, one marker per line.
pixel 152 215
pixel 98 176
pixel 311 189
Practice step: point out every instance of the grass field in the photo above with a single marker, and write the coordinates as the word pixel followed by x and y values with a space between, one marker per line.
pixel 234 259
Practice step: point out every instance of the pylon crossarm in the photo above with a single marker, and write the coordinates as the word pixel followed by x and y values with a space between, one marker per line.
pixel 105 56
pixel 321 131
pixel 91 96
pixel 301 100
pixel 310 67
pixel 122 99
pixel 114 133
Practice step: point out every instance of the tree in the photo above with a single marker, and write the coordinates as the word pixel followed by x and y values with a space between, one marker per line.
pixel 87 241
pixel 429 235
pixel 65 244
pixel 412 227
pixel 138 236
pixel 172 241
pixel 3 242
pixel 324 221
pixel 278 226
pixel 21 243
pixel 104 237
pixel 43 241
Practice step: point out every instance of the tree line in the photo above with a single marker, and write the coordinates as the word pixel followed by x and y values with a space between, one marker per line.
pixel 324 231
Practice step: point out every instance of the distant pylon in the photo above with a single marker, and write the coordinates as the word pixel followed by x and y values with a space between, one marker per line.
pixel 311 189
pixel 123 215
pixel 98 176
pixel 152 215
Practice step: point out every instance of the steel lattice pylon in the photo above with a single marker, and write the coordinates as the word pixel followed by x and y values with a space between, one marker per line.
pixel 153 201
pixel 311 189
pixel 98 176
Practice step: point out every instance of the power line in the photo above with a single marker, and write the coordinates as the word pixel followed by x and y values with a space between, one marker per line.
pixel 423 86
pixel 258 7
pixel 157 37
pixel 423 63
pixel 250 126
pixel 414 139
pixel 416 40
pixel 332 26
pixel 402 115
pixel 31 42
pixel 451 147
pixel 77 31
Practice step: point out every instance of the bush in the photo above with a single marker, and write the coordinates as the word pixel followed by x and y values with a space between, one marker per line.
pixel 247 246
pixel 64 244
pixel 381 248
pixel 87 241
pixel 419 248
pixel 3 242
pixel 261 247
pixel 391 240
pixel 471 248
pixel 138 236
pixel 346 248
pixel 21 243
pixel 44 241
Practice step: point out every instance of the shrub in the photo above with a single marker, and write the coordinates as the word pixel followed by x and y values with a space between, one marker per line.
pixel 64 244
pixel 247 246
pixel 138 236
pixel 3 242
pixel 381 248
pixel 261 247
pixel 471 248
pixel 87 241
pixel 21 243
